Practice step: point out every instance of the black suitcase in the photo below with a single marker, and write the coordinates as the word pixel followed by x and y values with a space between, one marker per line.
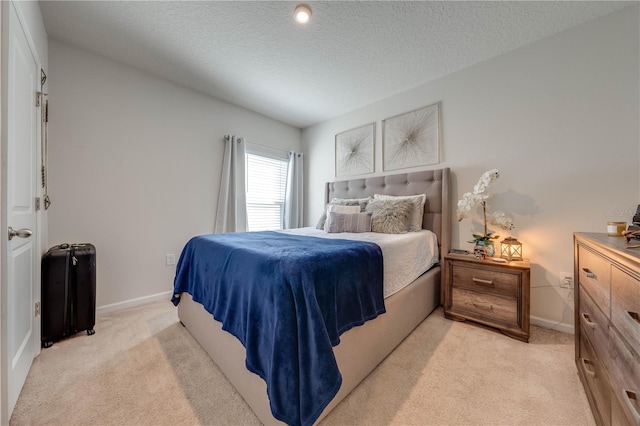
pixel 68 291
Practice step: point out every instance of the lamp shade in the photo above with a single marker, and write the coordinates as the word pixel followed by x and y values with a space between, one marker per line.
pixel 511 249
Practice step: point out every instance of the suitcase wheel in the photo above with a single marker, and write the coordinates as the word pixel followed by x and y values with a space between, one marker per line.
pixel 47 344
pixel 91 332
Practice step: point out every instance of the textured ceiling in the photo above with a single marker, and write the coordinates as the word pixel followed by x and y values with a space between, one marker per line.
pixel 351 54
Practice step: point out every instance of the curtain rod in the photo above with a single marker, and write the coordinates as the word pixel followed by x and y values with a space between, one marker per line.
pixel 269 148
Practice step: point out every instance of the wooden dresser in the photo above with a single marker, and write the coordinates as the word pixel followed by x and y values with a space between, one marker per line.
pixel 488 292
pixel 607 326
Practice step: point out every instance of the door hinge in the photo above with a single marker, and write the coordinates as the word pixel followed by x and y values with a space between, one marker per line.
pixel 37 309
pixel 38 98
pixel 37 203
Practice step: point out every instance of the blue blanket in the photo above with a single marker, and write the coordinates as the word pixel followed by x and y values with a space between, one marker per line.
pixel 287 298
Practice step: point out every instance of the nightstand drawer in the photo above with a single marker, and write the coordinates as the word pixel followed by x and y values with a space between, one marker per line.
pixel 485 280
pixel 485 305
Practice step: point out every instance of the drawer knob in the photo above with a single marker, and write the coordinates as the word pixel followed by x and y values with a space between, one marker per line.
pixel 587 320
pixel 589 274
pixel 482 282
pixel 633 317
pixel 628 395
pixel 586 369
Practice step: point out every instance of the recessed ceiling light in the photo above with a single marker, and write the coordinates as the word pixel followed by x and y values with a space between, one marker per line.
pixel 302 13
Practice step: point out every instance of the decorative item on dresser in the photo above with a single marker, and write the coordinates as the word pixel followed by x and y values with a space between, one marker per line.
pixel 493 292
pixel 607 326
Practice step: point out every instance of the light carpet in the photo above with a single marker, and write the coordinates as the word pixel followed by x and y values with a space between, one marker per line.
pixel 143 368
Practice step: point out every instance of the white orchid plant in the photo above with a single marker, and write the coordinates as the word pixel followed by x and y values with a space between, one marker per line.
pixel 479 195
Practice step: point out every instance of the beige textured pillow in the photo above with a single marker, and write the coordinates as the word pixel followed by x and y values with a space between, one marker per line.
pixel 417 210
pixel 390 216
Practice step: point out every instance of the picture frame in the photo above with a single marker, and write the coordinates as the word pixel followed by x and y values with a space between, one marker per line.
pixel 411 139
pixel 354 151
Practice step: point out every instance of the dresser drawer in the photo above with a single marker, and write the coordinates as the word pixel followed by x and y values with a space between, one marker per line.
pixel 598 382
pixel 595 325
pixel 486 280
pixel 620 414
pixel 491 306
pixel 595 277
pixel 625 306
pixel 625 373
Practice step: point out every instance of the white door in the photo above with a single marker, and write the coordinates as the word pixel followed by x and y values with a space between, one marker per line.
pixel 19 180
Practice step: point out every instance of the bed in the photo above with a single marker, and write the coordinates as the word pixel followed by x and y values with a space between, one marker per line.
pixel 361 348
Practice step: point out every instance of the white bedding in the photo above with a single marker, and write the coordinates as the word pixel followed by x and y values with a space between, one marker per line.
pixel 404 256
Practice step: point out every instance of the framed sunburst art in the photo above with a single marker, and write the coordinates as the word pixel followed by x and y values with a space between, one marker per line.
pixel 411 139
pixel 354 151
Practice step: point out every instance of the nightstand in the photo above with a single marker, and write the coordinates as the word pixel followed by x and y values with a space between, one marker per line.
pixel 488 292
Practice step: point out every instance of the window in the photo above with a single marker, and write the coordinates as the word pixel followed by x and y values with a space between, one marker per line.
pixel 266 185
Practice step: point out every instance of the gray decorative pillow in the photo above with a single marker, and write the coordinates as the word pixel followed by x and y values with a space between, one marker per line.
pixel 339 208
pixel 348 222
pixel 362 202
pixel 390 216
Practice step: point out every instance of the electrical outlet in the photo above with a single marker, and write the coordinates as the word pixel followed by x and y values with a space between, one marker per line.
pixel 566 280
pixel 171 259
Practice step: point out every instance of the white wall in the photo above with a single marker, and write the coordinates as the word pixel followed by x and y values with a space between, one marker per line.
pixel 135 164
pixel 558 118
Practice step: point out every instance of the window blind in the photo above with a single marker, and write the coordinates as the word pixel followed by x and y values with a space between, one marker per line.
pixel 266 185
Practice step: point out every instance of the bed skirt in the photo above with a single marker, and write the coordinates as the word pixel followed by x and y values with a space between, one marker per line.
pixel 361 349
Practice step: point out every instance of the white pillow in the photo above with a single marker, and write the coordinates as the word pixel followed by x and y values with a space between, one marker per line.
pixel 337 208
pixel 417 201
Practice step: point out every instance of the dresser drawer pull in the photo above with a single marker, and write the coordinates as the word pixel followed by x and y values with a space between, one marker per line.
pixel 482 282
pixel 589 274
pixel 485 307
pixel 634 317
pixel 628 395
pixel 587 321
pixel 588 371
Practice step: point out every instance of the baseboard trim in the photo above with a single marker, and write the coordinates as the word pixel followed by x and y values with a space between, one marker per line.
pixel 553 325
pixel 166 295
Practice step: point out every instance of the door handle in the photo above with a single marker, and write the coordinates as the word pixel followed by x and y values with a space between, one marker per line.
pixel 21 233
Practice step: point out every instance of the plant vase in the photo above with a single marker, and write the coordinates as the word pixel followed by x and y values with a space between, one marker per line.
pixel 491 248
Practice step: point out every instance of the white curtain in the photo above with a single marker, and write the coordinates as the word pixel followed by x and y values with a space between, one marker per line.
pixel 232 199
pixel 294 194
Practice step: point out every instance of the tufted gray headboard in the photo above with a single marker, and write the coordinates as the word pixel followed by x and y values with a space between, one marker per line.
pixel 433 183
